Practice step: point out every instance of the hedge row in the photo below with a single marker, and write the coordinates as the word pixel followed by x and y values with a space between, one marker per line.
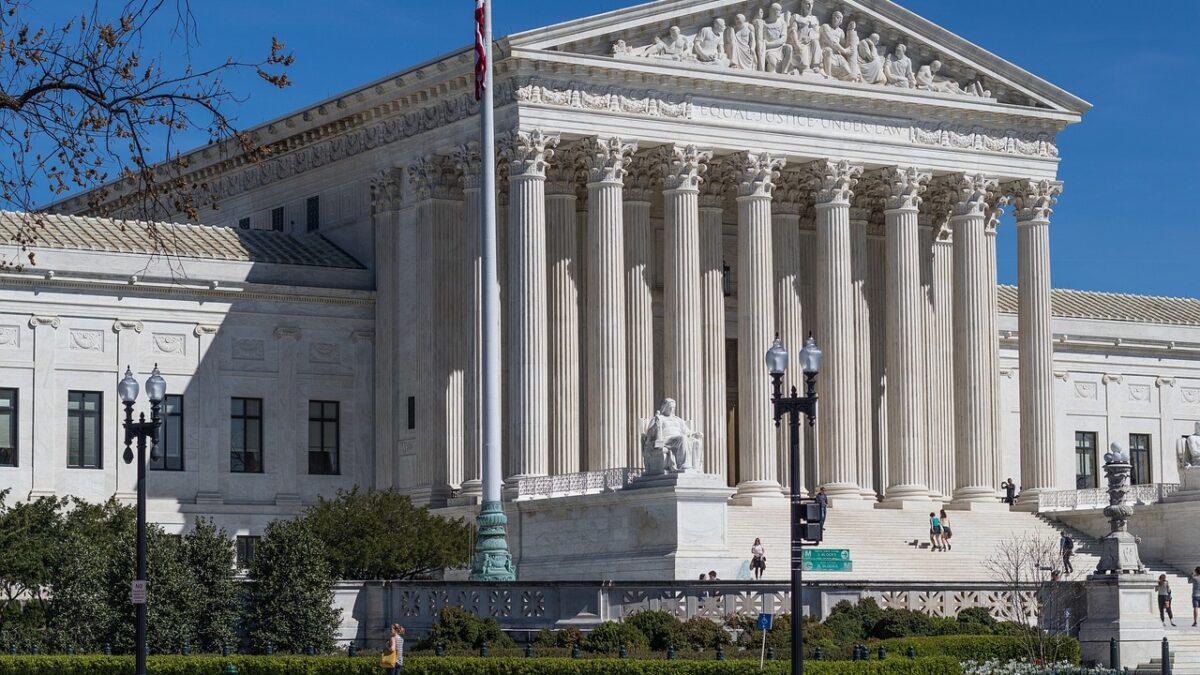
pixel 1001 648
pixel 267 665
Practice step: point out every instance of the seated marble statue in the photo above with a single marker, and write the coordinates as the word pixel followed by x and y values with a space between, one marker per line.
pixel 669 445
pixel 1189 455
pixel 675 47
pixel 900 71
pixel 709 45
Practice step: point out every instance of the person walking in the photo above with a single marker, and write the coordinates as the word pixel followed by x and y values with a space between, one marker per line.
pixel 946 531
pixel 1164 600
pixel 1066 546
pixel 935 532
pixel 393 659
pixel 1195 579
pixel 758 558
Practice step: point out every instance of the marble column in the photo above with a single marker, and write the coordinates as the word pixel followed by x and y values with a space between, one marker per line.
pixel 449 230
pixel 467 159
pixel 861 210
pixel 877 339
pixel 607 390
pixel 936 273
pixel 682 167
pixel 996 206
pixel 712 417
pixel 639 302
pixel 835 182
pixel 809 446
pixel 526 309
pixel 786 207
pixel 1033 202
pixel 562 290
pixel 973 388
pixel 422 175
pixel 388 400
pixel 758 459
pixel 908 456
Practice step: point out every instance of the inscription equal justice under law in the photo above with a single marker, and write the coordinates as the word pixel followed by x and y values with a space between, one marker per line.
pixel 791 119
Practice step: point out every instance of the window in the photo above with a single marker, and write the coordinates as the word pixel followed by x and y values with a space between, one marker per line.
pixel 244 223
pixel 84 430
pixel 245 436
pixel 1139 457
pixel 323 438
pixel 277 219
pixel 170 443
pixel 313 213
pixel 245 550
pixel 1085 459
pixel 412 412
pixel 8 427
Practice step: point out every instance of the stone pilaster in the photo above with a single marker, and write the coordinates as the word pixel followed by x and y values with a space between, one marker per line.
pixel 607 393
pixel 46 454
pixel 467 159
pixel 562 290
pixel 1033 202
pixel 640 179
pixel 389 401
pixel 974 391
pixel 786 206
pixel 528 403
pixel 908 455
pixel 712 417
pixel 758 458
pixel 208 410
pixel 682 168
pixel 835 183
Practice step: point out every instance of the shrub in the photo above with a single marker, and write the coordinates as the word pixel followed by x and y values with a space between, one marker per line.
pixel 608 637
pixel 851 622
pixel 902 623
pixel 459 629
pixel 558 639
pixel 976 621
pixel 699 634
pixel 660 628
pixel 979 647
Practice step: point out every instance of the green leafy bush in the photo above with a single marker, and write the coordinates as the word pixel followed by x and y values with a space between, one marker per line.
pixel 699 633
pixel 559 639
pixel 608 637
pixel 660 628
pixel 458 629
pixel 979 647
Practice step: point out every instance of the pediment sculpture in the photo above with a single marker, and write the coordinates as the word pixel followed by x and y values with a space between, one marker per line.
pixel 798 43
pixel 669 444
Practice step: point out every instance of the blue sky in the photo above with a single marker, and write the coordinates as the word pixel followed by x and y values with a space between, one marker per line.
pixel 1126 222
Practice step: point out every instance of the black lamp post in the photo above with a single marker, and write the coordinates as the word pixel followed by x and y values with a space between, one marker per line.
pixel 792 406
pixel 141 431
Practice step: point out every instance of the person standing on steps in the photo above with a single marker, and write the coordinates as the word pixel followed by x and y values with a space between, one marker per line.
pixel 935 532
pixel 946 532
pixel 823 502
pixel 1010 491
pixel 1066 547
pixel 1195 578
pixel 758 558
pixel 1164 600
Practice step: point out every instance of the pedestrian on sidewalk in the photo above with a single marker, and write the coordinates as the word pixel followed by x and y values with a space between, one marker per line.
pixel 758 558
pixel 1066 546
pixel 946 531
pixel 1164 600
pixel 935 532
pixel 1195 579
pixel 393 658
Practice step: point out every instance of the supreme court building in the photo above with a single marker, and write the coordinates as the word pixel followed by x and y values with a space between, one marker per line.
pixel 680 181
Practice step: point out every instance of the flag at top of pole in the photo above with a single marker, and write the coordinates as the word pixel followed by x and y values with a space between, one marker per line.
pixel 481 55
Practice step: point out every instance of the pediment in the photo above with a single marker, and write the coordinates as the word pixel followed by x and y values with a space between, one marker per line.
pixel 873 44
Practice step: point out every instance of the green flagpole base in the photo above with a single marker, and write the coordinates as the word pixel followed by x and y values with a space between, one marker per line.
pixel 492 561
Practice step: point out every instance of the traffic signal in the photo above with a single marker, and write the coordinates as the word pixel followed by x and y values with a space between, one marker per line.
pixel 812 524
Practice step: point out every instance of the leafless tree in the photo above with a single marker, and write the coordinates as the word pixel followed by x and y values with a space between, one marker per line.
pixel 1039 592
pixel 85 107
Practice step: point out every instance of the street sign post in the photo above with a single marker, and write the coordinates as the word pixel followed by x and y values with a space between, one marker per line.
pixel 137 592
pixel 765 622
pixel 826 566
pixel 826 554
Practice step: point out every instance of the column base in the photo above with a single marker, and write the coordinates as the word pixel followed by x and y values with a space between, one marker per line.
pixel 854 502
pixel 976 503
pixel 845 491
pixel 471 488
pixel 906 493
pixel 758 492
pixel 1028 500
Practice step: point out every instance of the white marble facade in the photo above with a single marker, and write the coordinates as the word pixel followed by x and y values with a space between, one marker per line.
pixel 680 181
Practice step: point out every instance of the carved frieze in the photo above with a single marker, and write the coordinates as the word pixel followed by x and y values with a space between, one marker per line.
pixel 1139 392
pixel 1086 390
pixel 85 340
pixel 248 349
pixel 10 337
pixel 325 352
pixel 170 344
pixel 1190 395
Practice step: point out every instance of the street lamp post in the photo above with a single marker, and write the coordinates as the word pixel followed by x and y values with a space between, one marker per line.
pixel 792 406
pixel 141 431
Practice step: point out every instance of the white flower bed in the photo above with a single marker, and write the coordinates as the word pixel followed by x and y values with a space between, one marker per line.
pixel 1018 668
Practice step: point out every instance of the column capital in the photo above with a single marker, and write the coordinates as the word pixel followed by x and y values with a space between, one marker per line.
pixel 466 157
pixel 386 192
pixel 528 153
pixel 997 202
pixel 1033 200
pixel 968 193
pixel 641 178
pixel 718 180
pixel 607 159
pixel 202 329
pixel 566 172
pixel 683 166
pixel 128 324
pixel 431 177
pixel 756 173
pixel 902 187
pixel 834 180
pixel 44 320
pixel 791 195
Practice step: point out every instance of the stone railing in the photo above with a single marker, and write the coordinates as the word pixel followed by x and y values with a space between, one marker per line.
pixel 1097 498
pixel 583 483
pixel 522 609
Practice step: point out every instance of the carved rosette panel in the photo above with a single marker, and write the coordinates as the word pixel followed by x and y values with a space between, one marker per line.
pixel 248 349
pixel 10 337
pixel 410 603
pixel 893 599
pixel 83 340
pixel 533 604
pixel 1190 395
pixel 169 344
pixel 635 601
pixel 674 602
pixel 325 352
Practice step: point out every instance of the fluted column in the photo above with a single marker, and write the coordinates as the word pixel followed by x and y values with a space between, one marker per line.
pixel 908 458
pixel 757 460
pixel 606 410
pixel 861 210
pixel 876 293
pixel 835 329
pixel 997 203
pixel 562 290
pixel 449 226
pixel 467 159
pixel 712 331
pixel 682 167
pixel 1033 201
pixel 389 403
pixel 639 302
pixel 526 309
pixel 786 206
pixel 973 388
pixel 936 276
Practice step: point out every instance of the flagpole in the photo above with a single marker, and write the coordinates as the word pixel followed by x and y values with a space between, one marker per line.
pixel 492 560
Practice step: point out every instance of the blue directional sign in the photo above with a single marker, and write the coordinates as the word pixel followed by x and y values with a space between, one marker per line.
pixel 765 621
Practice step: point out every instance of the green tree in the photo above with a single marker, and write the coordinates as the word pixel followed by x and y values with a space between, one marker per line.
pixel 381 534
pixel 209 554
pixel 290 599
pixel 29 540
pixel 81 611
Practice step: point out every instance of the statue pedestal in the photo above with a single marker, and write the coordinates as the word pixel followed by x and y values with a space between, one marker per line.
pixel 1121 606
pixel 1189 485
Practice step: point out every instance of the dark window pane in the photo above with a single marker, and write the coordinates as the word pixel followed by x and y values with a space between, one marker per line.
pixel 245 436
pixel 277 219
pixel 237 406
pixel 244 223
pixel 1085 460
pixel 313 213
pixel 254 407
pixel 8 427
